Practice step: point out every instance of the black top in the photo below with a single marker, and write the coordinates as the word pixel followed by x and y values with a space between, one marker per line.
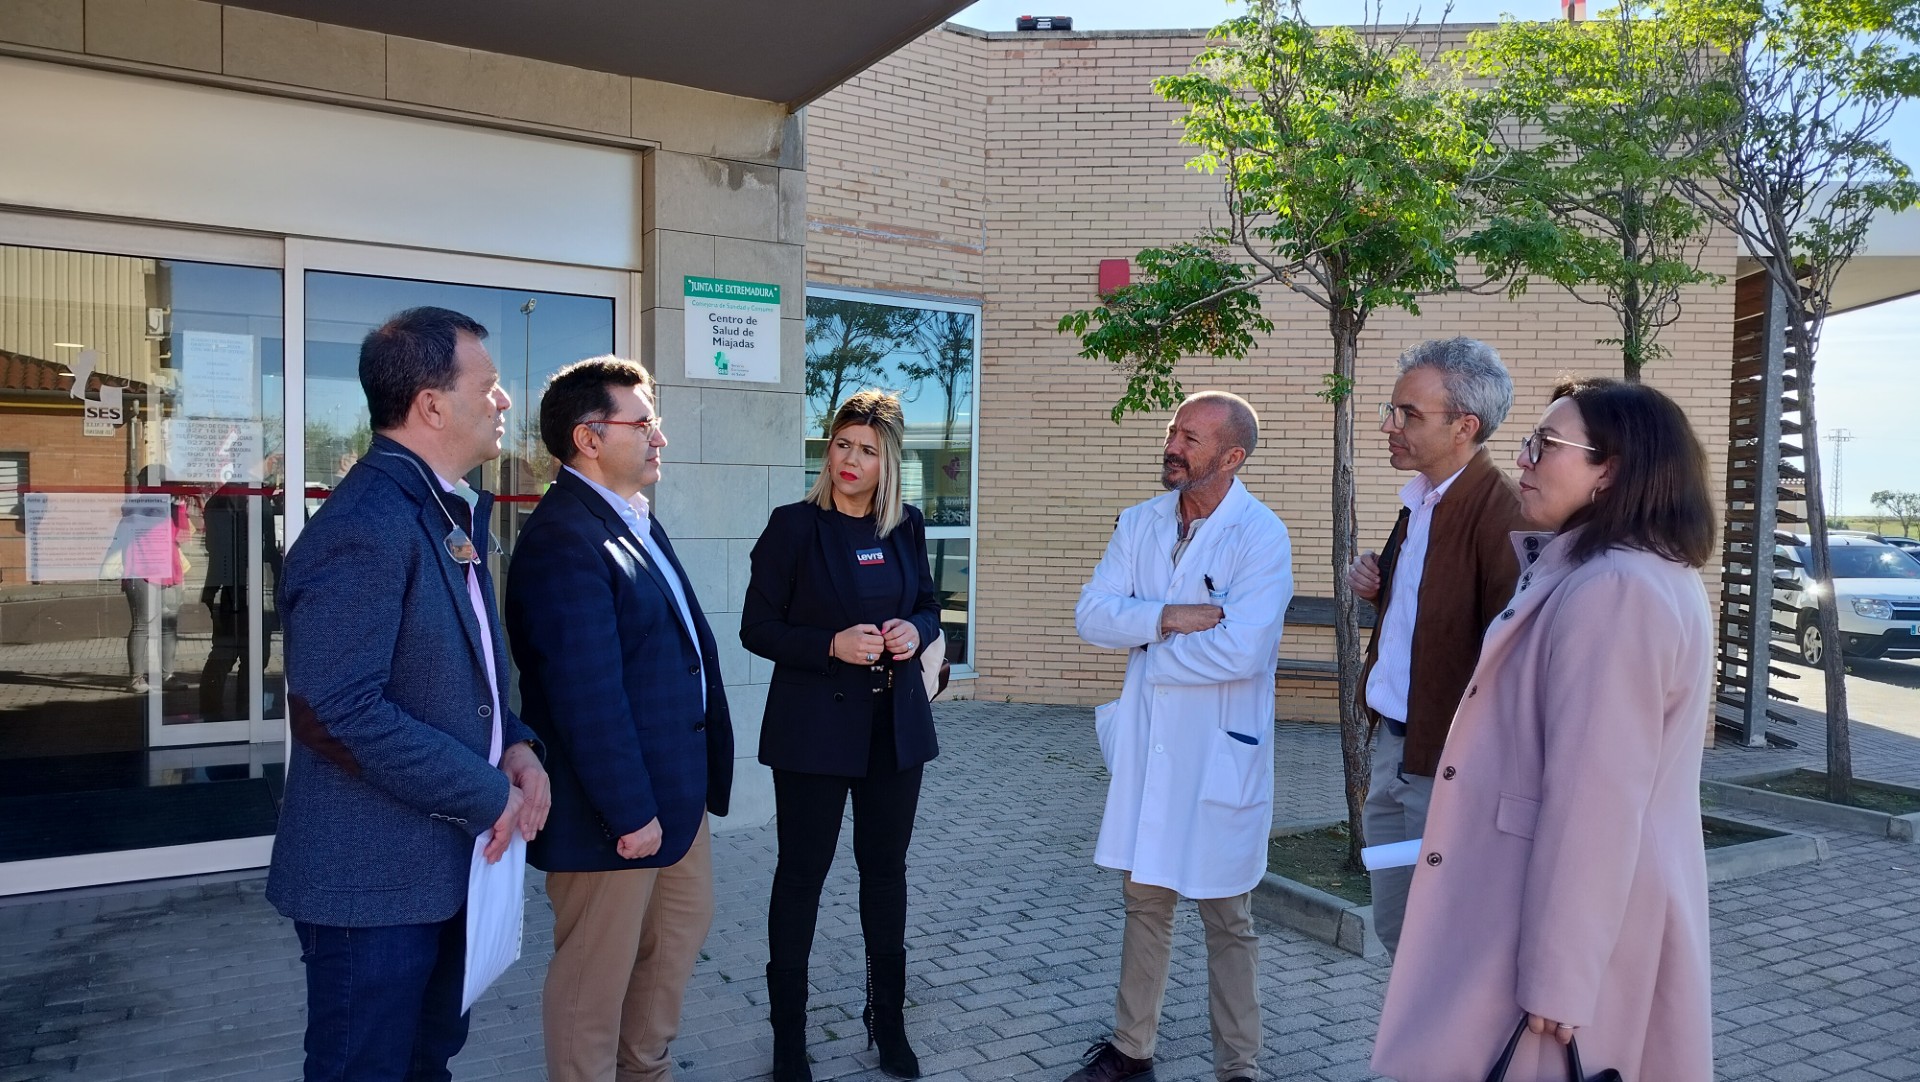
pixel 877 573
pixel 806 586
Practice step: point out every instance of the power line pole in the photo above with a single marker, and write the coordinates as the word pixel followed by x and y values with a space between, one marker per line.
pixel 1839 437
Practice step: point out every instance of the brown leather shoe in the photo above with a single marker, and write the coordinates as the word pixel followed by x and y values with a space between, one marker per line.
pixel 1105 1063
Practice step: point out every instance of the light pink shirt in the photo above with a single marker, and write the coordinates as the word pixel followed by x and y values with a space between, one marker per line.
pixel 1391 680
pixel 479 602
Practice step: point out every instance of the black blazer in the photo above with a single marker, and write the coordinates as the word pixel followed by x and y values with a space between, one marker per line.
pixel 611 680
pixel 819 717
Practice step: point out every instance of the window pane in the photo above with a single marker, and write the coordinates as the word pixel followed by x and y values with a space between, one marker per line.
pixel 13 481
pixel 141 414
pixel 926 356
pixel 531 335
pixel 952 561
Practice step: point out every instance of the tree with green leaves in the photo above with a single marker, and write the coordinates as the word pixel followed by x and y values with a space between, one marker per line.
pixel 1904 506
pixel 847 347
pixel 1599 126
pixel 1801 168
pixel 1354 175
pixel 943 343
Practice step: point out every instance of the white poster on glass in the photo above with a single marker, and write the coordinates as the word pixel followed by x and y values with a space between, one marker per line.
pixel 216 374
pixel 212 450
pixel 88 536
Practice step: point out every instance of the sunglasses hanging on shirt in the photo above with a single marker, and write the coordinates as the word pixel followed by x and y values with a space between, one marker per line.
pixel 459 545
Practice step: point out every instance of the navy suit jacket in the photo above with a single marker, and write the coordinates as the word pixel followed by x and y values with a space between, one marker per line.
pixel 802 592
pixel 387 778
pixel 611 681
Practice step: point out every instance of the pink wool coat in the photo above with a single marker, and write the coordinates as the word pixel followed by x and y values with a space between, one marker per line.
pixel 1563 871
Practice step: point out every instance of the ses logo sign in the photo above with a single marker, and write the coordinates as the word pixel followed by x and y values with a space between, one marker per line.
pixel 99 416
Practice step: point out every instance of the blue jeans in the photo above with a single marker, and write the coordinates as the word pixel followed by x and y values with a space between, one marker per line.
pixel 383 1004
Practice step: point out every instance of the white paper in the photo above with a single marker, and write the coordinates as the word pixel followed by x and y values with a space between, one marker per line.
pixel 1391 855
pixel 496 908
pixel 213 450
pixel 217 374
pixel 90 536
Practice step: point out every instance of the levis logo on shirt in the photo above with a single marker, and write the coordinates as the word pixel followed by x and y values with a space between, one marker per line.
pixel 871 557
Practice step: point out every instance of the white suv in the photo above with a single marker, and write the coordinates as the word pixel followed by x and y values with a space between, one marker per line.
pixel 1878 590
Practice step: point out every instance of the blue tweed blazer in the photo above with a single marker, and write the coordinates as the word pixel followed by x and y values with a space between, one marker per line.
pixel 387 778
pixel 611 681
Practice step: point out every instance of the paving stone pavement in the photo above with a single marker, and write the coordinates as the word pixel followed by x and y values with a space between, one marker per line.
pixel 1014 949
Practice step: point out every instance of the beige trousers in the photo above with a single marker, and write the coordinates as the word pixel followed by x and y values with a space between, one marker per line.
pixel 624 945
pixel 1233 958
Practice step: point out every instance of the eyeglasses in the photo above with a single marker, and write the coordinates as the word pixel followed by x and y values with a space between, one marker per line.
pixel 1398 416
pixel 646 425
pixel 1533 445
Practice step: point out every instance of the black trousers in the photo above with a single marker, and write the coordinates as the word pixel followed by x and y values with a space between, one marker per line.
pixel 809 809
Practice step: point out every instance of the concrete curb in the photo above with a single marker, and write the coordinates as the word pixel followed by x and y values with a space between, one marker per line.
pixel 1784 850
pixel 1326 917
pixel 1737 792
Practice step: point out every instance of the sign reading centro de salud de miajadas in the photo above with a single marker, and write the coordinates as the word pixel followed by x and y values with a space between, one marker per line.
pixel 733 330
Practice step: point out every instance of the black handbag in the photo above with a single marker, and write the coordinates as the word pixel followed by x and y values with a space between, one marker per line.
pixel 1575 1073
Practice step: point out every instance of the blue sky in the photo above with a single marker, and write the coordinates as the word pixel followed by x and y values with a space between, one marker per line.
pixel 1866 374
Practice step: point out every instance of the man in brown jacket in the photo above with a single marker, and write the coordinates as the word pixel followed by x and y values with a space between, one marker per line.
pixel 1447 570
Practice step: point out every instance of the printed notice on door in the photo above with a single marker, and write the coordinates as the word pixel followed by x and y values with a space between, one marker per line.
pixel 86 536
pixel 733 330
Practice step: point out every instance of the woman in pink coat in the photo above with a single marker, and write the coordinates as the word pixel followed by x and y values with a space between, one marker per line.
pixel 1562 877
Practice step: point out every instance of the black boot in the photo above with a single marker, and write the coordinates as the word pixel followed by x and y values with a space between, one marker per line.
pixel 787 1009
pixel 886 997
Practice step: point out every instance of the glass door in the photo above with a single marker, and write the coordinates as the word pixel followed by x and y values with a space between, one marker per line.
pixel 140 428
pixel 534 329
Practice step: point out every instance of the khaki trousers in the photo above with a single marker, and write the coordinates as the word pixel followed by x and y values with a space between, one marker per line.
pixel 1233 958
pixel 624 945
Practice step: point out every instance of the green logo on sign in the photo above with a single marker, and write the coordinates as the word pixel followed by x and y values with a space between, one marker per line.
pixel 720 362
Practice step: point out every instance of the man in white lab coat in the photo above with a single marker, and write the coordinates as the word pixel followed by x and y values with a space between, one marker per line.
pixel 1194 586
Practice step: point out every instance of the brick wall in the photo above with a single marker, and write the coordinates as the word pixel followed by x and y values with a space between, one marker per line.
pixel 1003 168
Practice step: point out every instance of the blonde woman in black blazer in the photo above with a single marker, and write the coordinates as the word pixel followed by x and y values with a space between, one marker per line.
pixel 842 601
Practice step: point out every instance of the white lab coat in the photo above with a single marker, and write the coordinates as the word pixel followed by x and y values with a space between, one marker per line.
pixel 1190 806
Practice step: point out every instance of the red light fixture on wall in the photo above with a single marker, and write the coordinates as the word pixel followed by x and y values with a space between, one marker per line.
pixel 1115 275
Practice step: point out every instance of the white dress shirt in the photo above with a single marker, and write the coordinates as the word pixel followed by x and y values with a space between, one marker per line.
pixel 637 513
pixel 1391 680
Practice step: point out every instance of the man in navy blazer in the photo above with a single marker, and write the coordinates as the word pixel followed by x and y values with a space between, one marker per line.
pixel 620 676
pixel 396 685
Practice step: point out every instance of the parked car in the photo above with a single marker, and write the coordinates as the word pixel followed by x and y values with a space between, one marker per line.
pixel 1908 545
pixel 1877 586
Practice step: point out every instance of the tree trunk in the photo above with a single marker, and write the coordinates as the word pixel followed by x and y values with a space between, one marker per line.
pixel 1827 615
pixel 1633 320
pixel 1354 754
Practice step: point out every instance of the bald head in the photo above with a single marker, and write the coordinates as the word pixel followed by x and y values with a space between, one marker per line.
pixel 1238 425
pixel 1208 440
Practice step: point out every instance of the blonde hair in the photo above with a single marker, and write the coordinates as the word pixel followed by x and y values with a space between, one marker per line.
pixel 879 411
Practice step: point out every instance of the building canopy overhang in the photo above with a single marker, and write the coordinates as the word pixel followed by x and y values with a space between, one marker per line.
pixel 769 50
pixel 1886 268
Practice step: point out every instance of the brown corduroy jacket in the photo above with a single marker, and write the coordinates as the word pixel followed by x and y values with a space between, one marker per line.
pixel 1468 579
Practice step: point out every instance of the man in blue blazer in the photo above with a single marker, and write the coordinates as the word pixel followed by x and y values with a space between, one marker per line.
pixel 620 677
pixel 404 764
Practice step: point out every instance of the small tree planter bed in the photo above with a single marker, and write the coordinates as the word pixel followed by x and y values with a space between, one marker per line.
pixel 1313 853
pixel 1880 808
pixel 1737 849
